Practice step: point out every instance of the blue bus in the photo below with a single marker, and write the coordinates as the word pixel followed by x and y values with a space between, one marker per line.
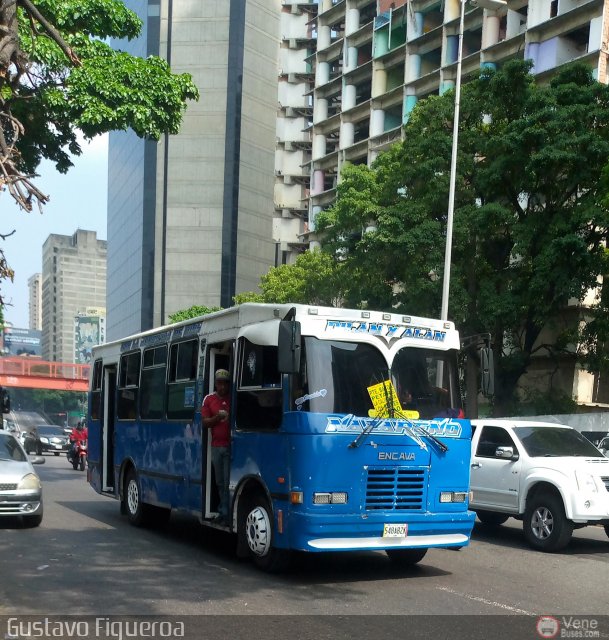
pixel 345 429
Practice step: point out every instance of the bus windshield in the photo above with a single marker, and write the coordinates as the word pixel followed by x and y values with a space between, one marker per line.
pixel 335 377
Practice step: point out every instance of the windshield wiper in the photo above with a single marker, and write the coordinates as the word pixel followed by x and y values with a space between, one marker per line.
pixel 360 438
pixel 419 429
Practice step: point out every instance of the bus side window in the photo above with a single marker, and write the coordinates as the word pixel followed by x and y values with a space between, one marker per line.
pixel 96 386
pixel 181 380
pixel 128 386
pixel 259 394
pixel 152 384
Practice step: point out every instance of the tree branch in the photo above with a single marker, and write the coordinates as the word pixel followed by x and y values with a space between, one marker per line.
pixel 50 29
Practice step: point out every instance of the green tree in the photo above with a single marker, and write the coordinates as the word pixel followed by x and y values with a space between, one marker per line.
pixel 530 222
pixel 48 402
pixel 314 278
pixel 58 75
pixel 193 312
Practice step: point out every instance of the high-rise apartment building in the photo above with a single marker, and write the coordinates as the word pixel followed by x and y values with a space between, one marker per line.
pixel 34 285
pixel 190 219
pixel 290 91
pixel 373 60
pixel 73 280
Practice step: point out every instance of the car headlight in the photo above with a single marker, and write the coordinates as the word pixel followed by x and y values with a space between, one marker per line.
pixel 45 440
pixel 585 481
pixel 30 482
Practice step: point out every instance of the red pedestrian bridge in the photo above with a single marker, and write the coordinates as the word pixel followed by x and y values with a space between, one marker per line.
pixel 32 373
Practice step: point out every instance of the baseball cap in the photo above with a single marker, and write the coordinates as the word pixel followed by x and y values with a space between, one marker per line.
pixel 222 374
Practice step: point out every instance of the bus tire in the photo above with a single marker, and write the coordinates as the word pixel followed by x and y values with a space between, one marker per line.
pixel 492 518
pixel 137 512
pixel 406 557
pixel 256 533
pixel 545 524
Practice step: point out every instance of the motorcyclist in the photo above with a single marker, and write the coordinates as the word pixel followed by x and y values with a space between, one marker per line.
pixel 78 435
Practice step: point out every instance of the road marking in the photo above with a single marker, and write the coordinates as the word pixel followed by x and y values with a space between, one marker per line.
pixel 485 601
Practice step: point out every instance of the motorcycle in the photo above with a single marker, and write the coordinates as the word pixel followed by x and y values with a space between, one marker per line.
pixel 78 455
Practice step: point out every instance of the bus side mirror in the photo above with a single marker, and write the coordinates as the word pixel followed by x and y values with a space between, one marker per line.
pixel 288 343
pixel 487 371
pixel 5 401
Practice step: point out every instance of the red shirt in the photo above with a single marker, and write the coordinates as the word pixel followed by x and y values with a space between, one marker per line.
pixel 78 436
pixel 220 432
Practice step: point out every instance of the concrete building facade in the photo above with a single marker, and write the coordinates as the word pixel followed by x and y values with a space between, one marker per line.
pixel 73 280
pixel 375 59
pixel 190 218
pixel 34 285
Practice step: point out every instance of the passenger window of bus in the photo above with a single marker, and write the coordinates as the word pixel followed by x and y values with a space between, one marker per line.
pixel 152 384
pixel 96 386
pixel 128 386
pixel 259 395
pixel 181 380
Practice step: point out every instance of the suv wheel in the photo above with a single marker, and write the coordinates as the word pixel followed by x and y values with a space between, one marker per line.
pixel 545 525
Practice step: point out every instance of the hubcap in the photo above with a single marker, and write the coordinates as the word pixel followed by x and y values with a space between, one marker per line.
pixel 133 498
pixel 258 531
pixel 542 523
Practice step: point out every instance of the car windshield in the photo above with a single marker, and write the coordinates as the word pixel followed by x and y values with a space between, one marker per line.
pixel 50 431
pixel 555 441
pixel 10 449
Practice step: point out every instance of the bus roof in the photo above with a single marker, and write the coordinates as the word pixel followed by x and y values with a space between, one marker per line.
pixel 252 313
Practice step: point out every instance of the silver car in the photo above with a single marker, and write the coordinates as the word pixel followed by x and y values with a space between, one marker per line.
pixel 20 486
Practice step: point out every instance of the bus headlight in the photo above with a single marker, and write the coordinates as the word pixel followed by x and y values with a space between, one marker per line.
pixel 336 497
pixel 453 496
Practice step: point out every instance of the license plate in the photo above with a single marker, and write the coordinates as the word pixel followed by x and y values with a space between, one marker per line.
pixel 395 530
pixel 57 446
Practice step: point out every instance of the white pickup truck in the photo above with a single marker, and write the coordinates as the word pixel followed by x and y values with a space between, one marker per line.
pixel 548 475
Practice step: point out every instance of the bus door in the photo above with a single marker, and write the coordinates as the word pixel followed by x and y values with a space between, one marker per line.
pixel 219 356
pixel 107 436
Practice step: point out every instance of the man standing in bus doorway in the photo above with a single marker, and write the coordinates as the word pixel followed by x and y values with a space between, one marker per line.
pixel 214 414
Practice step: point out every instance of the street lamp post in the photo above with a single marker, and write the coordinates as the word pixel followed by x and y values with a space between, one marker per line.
pixel 484 4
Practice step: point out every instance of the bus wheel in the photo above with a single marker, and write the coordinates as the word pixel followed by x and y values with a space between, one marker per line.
pixel 406 557
pixel 136 511
pixel 256 527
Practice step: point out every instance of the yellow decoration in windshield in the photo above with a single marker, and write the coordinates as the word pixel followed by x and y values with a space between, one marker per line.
pixel 384 397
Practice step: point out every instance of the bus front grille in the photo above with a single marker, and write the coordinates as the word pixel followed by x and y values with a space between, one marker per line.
pixel 395 488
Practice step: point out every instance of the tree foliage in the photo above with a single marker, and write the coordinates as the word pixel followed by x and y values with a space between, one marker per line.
pixel 314 278
pixel 58 74
pixel 530 223
pixel 193 312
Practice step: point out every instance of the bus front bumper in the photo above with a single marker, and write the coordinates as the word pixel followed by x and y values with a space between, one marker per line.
pixel 309 532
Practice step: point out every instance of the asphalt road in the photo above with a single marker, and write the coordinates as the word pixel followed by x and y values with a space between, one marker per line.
pixel 85 559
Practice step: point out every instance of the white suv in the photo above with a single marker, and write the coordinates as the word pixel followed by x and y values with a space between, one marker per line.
pixel 548 475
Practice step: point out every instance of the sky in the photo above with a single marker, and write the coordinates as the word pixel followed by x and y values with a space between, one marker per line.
pixel 77 201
